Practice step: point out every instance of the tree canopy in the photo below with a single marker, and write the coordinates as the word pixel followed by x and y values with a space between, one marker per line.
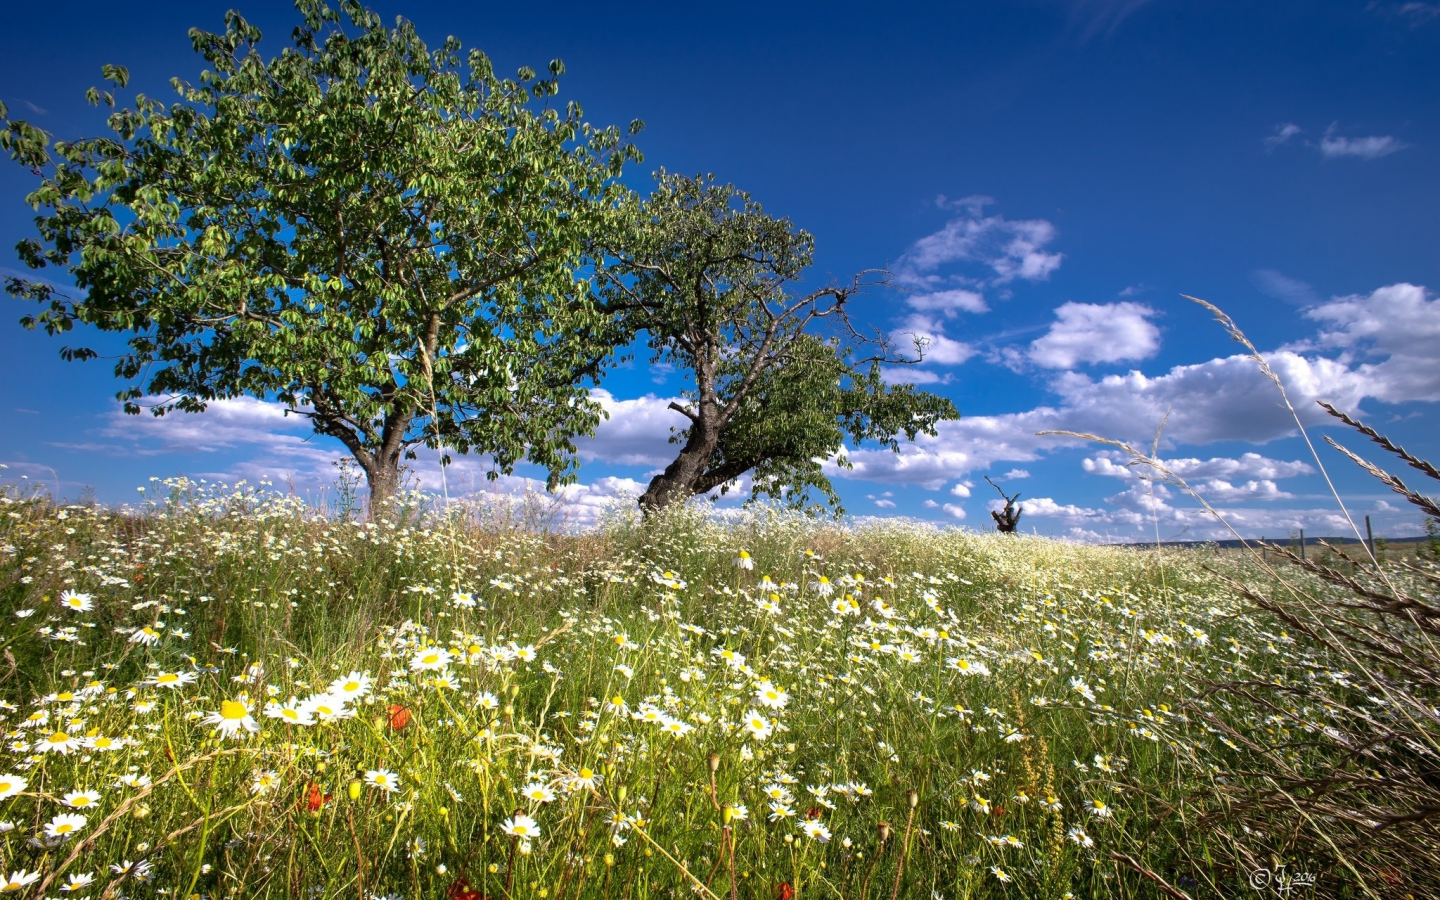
pixel 777 381
pixel 367 230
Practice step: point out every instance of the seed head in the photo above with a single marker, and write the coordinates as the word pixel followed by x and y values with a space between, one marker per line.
pixel 713 761
pixel 884 831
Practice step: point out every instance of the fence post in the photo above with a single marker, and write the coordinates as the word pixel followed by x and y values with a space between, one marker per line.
pixel 1369 537
pixel 1302 545
pixel 1264 553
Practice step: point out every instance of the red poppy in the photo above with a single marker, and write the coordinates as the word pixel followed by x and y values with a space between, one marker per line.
pixel 999 810
pixel 315 797
pixel 813 812
pixel 399 716
pixel 460 889
pixel 784 891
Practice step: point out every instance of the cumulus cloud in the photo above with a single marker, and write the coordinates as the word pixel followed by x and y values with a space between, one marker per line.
pixel 935 347
pixel 1136 515
pixel 1096 333
pixel 954 511
pixel 1009 249
pixel 1046 506
pixel 961 489
pixel 1399 323
pixel 637 432
pixel 1253 465
pixel 1016 473
pixel 1385 342
pixel 948 303
pixel 912 375
pixel 1218 490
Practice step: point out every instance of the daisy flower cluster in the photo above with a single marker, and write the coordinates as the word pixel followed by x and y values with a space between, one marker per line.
pixel 227 692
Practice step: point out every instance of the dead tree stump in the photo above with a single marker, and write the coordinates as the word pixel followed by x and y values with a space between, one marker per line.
pixel 1009 517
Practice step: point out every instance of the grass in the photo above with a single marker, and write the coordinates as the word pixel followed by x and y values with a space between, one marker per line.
pixel 883 711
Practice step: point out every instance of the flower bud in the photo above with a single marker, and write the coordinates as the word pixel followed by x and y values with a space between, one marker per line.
pixel 713 761
pixel 353 789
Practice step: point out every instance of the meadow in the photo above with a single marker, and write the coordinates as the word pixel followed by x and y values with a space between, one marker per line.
pixel 224 693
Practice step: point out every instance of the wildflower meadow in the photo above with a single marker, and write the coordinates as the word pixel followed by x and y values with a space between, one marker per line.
pixel 224 693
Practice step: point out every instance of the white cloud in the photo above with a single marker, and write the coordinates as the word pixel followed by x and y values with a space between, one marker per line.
pixel 1217 490
pixel 1253 465
pixel 1136 514
pixel 912 375
pixel 1281 135
pixel 1011 250
pixel 885 504
pixel 930 504
pixel 1201 476
pixel 1282 287
pixel 954 510
pixel 1045 506
pixel 1398 322
pixel 1091 333
pixel 1373 147
pixel 961 489
pixel 937 348
pixel 1016 473
pixel 1221 399
pixel 948 303
pixel 636 434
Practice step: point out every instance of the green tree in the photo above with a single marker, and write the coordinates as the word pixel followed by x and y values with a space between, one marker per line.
pixel 777 381
pixel 359 227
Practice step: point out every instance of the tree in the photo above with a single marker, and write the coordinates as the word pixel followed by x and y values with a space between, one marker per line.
pixel 1007 519
pixel 365 230
pixel 777 382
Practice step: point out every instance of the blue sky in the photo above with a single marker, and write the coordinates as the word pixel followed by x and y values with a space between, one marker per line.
pixel 1046 177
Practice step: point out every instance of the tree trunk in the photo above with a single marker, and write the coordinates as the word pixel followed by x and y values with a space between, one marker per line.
pixel 677 483
pixel 383 477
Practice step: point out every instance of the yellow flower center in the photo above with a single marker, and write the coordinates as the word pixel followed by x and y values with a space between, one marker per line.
pixel 167 678
pixel 59 737
pixel 586 774
pixel 233 710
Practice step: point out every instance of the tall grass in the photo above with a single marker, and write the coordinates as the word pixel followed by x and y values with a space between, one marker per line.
pixel 1031 696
